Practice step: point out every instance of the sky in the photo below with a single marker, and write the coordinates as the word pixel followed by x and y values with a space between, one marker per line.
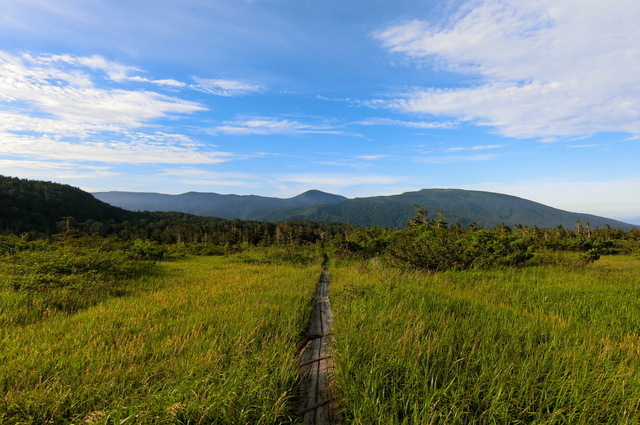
pixel 537 99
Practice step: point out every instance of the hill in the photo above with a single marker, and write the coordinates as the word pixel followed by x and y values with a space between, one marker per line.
pixel 465 207
pixel 245 207
pixel 32 205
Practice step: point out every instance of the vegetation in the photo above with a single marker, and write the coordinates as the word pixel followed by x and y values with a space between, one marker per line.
pixel 115 317
pixel 463 207
pixel 204 340
pixel 246 207
pixel 45 208
pixel 35 209
pixel 432 244
pixel 543 344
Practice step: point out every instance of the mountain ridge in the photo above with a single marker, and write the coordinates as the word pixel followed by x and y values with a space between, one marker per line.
pixel 465 207
pixel 245 207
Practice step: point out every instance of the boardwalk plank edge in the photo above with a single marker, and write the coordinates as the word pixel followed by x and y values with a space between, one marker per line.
pixel 316 362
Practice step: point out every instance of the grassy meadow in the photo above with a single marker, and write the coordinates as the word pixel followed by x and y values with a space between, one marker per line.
pixel 533 345
pixel 201 340
pixel 99 332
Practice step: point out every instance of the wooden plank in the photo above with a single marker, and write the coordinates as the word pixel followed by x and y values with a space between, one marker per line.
pixel 316 362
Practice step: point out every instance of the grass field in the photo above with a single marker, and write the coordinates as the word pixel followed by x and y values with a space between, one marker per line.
pixel 543 345
pixel 208 340
pixel 213 340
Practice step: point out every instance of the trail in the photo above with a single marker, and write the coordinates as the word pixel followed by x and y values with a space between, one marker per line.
pixel 316 366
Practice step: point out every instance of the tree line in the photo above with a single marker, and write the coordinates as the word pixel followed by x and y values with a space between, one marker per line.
pixel 433 244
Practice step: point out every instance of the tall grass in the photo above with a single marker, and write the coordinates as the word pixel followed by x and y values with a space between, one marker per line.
pixel 210 341
pixel 544 345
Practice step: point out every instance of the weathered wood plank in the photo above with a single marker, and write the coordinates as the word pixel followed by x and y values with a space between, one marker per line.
pixel 316 363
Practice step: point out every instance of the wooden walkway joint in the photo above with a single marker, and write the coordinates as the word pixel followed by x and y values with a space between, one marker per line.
pixel 316 363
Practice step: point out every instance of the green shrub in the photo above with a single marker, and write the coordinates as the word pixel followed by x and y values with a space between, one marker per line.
pixel 440 248
pixel 78 264
pixel 147 250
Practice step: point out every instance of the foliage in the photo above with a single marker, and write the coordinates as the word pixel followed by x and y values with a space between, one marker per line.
pixel 43 207
pixel 78 264
pixel 40 278
pixel 244 207
pixel 212 342
pixel 542 344
pixel 463 207
pixel 432 244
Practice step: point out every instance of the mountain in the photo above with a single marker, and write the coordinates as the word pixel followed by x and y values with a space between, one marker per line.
pixel 465 207
pixel 245 207
pixel 32 205
pixel 486 209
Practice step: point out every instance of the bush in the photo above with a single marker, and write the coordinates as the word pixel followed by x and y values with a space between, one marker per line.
pixel 431 245
pixel 72 266
pixel 147 250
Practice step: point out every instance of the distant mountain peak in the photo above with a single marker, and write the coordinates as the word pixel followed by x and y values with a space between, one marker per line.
pixel 318 194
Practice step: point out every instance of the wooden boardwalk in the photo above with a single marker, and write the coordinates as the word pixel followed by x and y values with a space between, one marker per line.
pixel 316 365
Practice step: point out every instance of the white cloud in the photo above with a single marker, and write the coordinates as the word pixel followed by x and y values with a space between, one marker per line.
pixel 412 124
pixel 548 68
pixel 53 107
pixel 49 165
pixel 271 126
pixel 339 181
pixel 195 177
pixel 372 157
pixel 114 71
pixel 135 148
pixel 582 146
pixel 48 169
pixel 474 148
pixel 450 159
pixel 36 87
pixel 228 88
pixel 204 174
pixel 167 82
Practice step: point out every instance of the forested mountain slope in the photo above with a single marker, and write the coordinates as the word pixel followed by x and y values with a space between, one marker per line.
pixel 457 206
pixel 33 205
pixel 245 207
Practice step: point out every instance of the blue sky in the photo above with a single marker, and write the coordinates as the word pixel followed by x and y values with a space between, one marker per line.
pixel 362 97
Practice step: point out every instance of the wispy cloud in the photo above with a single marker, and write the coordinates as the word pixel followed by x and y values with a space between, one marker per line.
pixel 204 174
pixel 583 146
pixel 449 159
pixel 338 181
pixel 273 125
pixel 228 88
pixel 548 68
pixel 115 71
pixel 372 157
pixel 165 82
pixel 424 125
pixel 54 107
pixel 359 162
pixel 59 169
pixel 37 87
pixel 132 149
pixel 474 148
pixel 200 177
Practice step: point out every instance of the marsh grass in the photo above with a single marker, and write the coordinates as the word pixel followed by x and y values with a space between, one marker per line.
pixel 544 344
pixel 38 279
pixel 212 340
